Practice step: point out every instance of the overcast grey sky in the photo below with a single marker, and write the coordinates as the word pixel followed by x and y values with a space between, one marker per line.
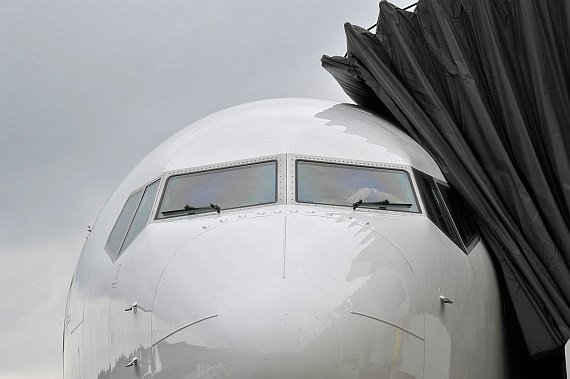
pixel 88 88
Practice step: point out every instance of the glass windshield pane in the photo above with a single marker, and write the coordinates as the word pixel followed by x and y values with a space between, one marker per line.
pixel 120 229
pixel 334 184
pixel 228 188
pixel 434 206
pixel 461 214
pixel 143 212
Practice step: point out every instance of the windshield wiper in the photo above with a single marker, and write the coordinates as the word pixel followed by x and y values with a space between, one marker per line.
pixel 381 204
pixel 191 210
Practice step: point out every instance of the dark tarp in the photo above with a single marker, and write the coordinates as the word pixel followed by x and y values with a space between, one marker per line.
pixel 483 85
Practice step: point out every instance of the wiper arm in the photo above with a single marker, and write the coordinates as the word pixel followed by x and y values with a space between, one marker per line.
pixel 381 204
pixel 191 210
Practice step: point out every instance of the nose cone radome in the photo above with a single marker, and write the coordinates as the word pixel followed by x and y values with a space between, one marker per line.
pixel 288 296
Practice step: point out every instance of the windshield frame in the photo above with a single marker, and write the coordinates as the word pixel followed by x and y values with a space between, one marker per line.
pixel 293 194
pixel 279 183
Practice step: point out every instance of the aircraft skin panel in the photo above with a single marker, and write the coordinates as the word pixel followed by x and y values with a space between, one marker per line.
pixel 272 300
pixel 284 289
pixel 470 282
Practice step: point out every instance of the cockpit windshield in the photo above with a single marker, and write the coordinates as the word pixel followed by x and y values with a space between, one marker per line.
pixel 355 186
pixel 226 188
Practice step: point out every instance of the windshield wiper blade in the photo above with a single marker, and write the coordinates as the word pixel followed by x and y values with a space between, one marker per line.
pixel 191 210
pixel 381 204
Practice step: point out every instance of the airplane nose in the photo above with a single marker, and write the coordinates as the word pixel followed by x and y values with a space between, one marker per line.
pixel 288 296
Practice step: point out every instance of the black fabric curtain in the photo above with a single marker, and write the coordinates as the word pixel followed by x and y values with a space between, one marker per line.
pixel 483 85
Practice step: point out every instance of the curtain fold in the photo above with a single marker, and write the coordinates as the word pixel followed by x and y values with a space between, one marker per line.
pixel 484 87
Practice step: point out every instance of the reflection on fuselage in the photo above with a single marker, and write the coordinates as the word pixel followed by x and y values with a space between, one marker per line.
pixel 288 297
pixel 294 282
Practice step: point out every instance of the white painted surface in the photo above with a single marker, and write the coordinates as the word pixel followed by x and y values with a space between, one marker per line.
pixel 567 351
pixel 297 290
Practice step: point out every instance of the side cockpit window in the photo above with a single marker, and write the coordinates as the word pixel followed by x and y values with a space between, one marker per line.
pixel 141 216
pixel 132 220
pixel 121 227
pixel 447 210
pixel 435 207
pixel 460 213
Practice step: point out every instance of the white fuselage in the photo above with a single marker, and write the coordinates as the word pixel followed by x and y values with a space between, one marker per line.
pixel 287 288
